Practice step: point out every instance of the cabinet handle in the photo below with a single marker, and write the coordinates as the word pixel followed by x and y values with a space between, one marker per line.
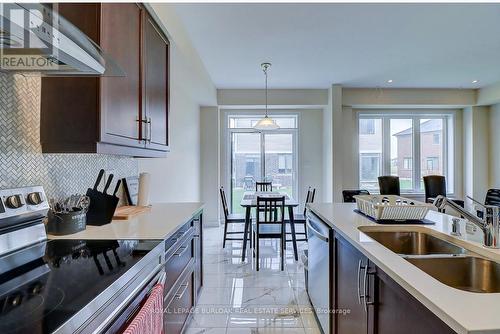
pixel 360 267
pixel 181 251
pixel 150 122
pixel 365 288
pixel 141 123
pixel 179 293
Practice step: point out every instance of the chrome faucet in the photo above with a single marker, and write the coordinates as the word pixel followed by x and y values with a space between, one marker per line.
pixel 489 224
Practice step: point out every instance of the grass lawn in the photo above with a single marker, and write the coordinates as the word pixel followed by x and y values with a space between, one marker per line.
pixel 238 195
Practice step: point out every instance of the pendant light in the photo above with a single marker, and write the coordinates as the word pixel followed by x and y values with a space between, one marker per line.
pixel 266 123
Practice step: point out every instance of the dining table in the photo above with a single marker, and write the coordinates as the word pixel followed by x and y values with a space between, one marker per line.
pixel 249 201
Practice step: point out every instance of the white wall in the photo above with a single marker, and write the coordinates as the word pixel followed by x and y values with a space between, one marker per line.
pixel 176 178
pixel 210 158
pixel 476 151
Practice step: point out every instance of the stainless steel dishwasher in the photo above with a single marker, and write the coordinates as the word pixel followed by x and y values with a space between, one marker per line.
pixel 320 237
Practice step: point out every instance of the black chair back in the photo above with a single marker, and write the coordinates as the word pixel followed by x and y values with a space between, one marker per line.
pixel 271 210
pixel 348 195
pixel 263 186
pixel 434 186
pixel 311 192
pixel 389 185
pixel 224 202
pixel 492 197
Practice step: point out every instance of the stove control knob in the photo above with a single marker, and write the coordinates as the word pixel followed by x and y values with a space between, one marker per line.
pixel 13 202
pixel 34 198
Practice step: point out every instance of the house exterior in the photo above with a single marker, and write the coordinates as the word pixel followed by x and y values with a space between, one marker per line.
pixel 431 149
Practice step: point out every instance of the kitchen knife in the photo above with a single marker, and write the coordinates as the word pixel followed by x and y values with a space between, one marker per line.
pixel 108 183
pixel 99 177
pixel 117 187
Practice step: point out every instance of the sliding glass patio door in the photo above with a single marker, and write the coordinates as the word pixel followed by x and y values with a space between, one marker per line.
pixel 258 157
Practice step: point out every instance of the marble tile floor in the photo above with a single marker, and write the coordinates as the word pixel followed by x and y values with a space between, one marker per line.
pixel 236 299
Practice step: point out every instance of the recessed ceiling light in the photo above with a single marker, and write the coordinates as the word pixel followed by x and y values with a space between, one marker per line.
pixel 475 81
pixel 389 81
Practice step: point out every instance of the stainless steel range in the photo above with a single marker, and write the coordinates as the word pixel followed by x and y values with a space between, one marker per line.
pixel 67 286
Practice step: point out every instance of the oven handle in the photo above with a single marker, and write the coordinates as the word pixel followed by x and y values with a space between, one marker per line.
pixel 316 232
pixel 123 306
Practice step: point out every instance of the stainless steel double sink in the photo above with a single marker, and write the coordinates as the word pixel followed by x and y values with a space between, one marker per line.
pixel 450 264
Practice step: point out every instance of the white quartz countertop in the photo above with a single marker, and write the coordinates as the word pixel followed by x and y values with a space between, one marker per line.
pixel 464 312
pixel 160 222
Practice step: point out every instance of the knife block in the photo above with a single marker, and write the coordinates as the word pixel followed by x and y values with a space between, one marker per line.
pixel 101 209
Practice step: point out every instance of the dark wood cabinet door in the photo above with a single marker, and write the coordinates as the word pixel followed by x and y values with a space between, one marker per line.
pixel 178 305
pixel 396 311
pixel 348 288
pixel 155 84
pixel 121 96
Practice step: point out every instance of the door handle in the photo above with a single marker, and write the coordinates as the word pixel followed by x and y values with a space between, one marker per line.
pixel 360 267
pixel 150 122
pixel 365 288
pixel 181 251
pixel 141 124
pixel 180 293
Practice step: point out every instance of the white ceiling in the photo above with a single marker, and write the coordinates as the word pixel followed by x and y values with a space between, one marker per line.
pixel 356 45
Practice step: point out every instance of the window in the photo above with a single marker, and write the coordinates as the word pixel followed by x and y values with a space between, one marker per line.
pixel 407 146
pixel 432 165
pixel 248 122
pixel 367 126
pixel 284 163
pixel 370 153
pixel 256 156
pixel 401 150
pixel 407 163
pixel 436 138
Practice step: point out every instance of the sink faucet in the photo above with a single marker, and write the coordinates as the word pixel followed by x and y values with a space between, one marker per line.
pixel 489 224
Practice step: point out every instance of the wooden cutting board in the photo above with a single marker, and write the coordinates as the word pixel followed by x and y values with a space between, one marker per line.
pixel 129 211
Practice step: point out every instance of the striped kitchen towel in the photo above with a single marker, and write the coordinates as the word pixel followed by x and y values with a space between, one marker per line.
pixel 149 319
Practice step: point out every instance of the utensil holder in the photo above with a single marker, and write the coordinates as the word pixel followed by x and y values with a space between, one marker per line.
pixel 66 223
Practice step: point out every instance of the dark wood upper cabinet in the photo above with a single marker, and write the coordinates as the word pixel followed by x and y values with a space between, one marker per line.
pixel 155 83
pixel 126 115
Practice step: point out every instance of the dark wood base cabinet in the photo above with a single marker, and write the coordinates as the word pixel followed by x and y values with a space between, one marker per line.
pixel 183 265
pixel 372 302
pixel 125 115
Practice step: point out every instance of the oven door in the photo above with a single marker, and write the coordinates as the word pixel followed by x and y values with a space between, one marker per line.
pixel 121 322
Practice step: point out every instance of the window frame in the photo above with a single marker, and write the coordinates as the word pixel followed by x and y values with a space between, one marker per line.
pixel 446 140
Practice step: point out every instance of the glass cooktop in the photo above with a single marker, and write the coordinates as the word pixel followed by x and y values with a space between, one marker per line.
pixel 42 294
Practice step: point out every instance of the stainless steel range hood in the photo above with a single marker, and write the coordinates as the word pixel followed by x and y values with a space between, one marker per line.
pixel 36 40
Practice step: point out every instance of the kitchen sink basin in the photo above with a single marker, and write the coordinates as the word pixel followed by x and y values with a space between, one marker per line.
pixel 467 273
pixel 414 243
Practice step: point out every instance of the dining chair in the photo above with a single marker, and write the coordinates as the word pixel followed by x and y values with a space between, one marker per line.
pixel 300 219
pixel 269 224
pixel 389 185
pixel 263 186
pixel 492 198
pixel 348 195
pixel 230 219
pixel 434 186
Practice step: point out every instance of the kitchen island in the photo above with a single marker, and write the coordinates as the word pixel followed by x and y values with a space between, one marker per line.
pixel 386 293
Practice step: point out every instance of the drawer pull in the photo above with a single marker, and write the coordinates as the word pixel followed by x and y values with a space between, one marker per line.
pixel 179 293
pixel 181 251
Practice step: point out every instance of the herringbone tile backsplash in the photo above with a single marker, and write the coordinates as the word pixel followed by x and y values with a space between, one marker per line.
pixel 21 160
